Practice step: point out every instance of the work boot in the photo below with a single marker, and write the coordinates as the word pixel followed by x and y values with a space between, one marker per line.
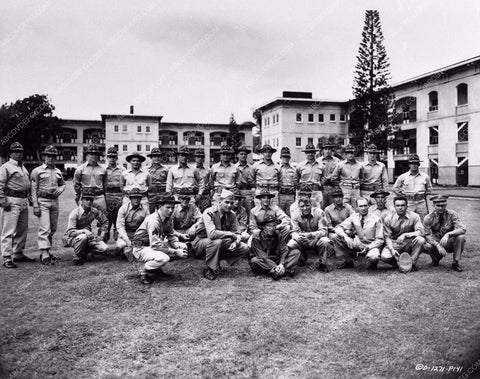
pixel 145 279
pixel 209 274
pixel 45 257
pixel 20 257
pixel 9 264
pixel 456 267
pixel 322 267
pixel 346 264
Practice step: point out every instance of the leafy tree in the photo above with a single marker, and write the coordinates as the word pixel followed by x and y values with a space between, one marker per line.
pixel 25 121
pixel 370 119
pixel 233 139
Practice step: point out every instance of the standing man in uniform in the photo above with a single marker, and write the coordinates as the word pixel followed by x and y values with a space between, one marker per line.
pixel 158 178
pixel 223 175
pixel 374 174
pixel 415 186
pixel 136 177
pixel 288 182
pixel 444 233
pixel 203 199
pixel 311 172
pixel 266 174
pixel 347 172
pixel 14 193
pixel 130 217
pixel 219 236
pixel 183 179
pixel 269 253
pixel 328 162
pixel 245 181
pixel 92 175
pixel 47 186
pixel 114 192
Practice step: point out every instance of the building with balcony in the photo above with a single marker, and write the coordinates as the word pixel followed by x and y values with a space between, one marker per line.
pixel 437 116
pixel 297 119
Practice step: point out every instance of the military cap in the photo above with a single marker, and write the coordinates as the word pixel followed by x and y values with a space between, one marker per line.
pixel 184 197
pixel 414 158
pixel 265 192
pixel 112 152
pixel 136 192
pixel 199 153
pixel 183 150
pixel 50 150
pixel 310 148
pixel 337 192
pixel 243 148
pixel 227 150
pixel 93 149
pixel 155 152
pixel 128 158
pixel 439 199
pixel 238 194
pixel 16 146
pixel 328 145
pixel 372 148
pixel 88 193
pixel 305 189
pixel 267 147
pixel 379 192
pixel 167 198
pixel 269 218
pixel 405 262
pixel 349 148
pixel 285 152
pixel 226 193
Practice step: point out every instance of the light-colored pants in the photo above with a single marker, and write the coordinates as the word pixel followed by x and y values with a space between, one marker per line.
pixel 47 222
pixel 152 259
pixel 248 202
pixel 14 225
pixel 265 265
pixel 412 246
pixel 285 202
pixel 342 249
pixel 419 207
pixel 217 249
pixel 319 245
pixel 82 246
pixel 350 194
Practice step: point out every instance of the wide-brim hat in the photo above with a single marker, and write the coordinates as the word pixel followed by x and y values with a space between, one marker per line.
pixel 285 152
pixel 88 193
pixel 269 219
pixel 349 149
pixel 267 147
pixel 112 152
pixel 50 150
pixel 379 192
pixel 227 150
pixel 16 146
pixel 405 263
pixel 265 192
pixel 414 158
pixel 184 197
pixel 310 148
pixel 372 148
pixel 136 192
pixel 93 149
pixel 167 198
pixel 238 194
pixel 128 158
pixel 337 192
pixel 183 150
pixel 156 152
pixel 199 153
pixel 243 148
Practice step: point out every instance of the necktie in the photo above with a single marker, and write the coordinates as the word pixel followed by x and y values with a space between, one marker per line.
pixel 441 221
pixel 223 221
pixel 362 221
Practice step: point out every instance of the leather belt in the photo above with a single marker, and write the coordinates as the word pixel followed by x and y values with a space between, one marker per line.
pixel 113 190
pixel 416 197
pixel 244 186
pixel 46 195
pixel 184 191
pixel 370 187
pixel 350 185
pixel 268 187
pixel 157 189
pixel 313 186
pixel 287 191
pixel 12 193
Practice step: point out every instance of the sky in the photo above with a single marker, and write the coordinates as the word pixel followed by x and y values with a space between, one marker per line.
pixel 200 61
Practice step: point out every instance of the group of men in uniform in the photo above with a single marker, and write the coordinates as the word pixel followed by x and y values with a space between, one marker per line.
pixel 276 215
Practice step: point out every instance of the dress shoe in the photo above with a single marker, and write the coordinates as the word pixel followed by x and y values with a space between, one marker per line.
pixel 456 267
pixel 414 267
pixel 22 258
pixel 160 272
pixel 209 274
pixel 323 267
pixel 9 264
pixel 77 262
pixel 371 265
pixel 274 276
pixel 290 273
pixel 145 279
pixel 346 264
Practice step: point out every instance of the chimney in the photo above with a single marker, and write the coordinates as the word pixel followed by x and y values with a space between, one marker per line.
pixel 131 109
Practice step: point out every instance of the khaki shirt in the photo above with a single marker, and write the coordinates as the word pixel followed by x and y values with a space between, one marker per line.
pixel 347 172
pixel 273 247
pixel 224 176
pixel 184 177
pixel 185 218
pixel 204 174
pixel 314 223
pixel 45 181
pixel 258 214
pixel 79 219
pixel 155 229
pixel 245 178
pixel 266 174
pixel 408 184
pixel 158 176
pixel 242 218
pixel 88 175
pixel 214 224
pixel 310 172
pixel 336 214
pixel 288 177
pixel 328 165
pixel 394 225
pixel 372 230
pixel 382 213
pixel 374 174
pixel 135 179
pixel 435 229
pixel 13 177
pixel 129 219
pixel 114 178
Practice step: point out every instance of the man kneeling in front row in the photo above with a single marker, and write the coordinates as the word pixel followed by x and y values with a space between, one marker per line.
pixel 269 253
pixel 149 245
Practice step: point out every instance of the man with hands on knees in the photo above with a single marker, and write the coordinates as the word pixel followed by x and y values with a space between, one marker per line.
pixel 155 242
pixel 269 253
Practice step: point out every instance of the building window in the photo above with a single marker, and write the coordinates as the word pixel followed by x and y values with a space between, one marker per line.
pixel 147 129
pixel 332 116
pixel 147 147
pixel 433 101
pixel 124 128
pixel 462 131
pixel 115 128
pixel 321 118
pixel 124 148
pixel 343 118
pixel 310 141
pixel 310 118
pixel 298 141
pixel 462 94
pixel 139 128
pixel 139 147
pixel 278 117
pixel 433 131
pixel 298 117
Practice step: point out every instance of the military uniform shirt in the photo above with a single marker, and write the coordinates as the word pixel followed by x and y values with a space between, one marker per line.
pixel 408 184
pixel 214 223
pixel 328 164
pixel 185 218
pixel 136 179
pixel 315 223
pixel 88 175
pixel 204 175
pixel 288 177
pixel 336 214
pixel 347 172
pixel 129 219
pixel 155 229
pixel 374 174
pixel 13 177
pixel 394 225
pixel 266 174
pixel 273 247
pixel 46 180
pixel 309 172
pixel 245 177
pixel 79 219
pixel 435 229
pixel 183 176
pixel 242 218
pixel 372 230
pixel 259 213
pixel 114 178
pixel 382 213
pixel 222 175
pixel 158 176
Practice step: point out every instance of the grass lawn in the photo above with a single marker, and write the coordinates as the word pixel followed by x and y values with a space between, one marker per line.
pixel 97 320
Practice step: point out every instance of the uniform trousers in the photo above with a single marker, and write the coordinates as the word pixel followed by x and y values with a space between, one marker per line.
pixel 412 246
pixel 350 194
pixel 419 207
pixel 342 249
pixel 318 245
pixel 455 245
pixel 82 246
pixel 248 202
pixel 152 259
pixel 114 202
pixel 14 224
pixel 48 221
pixel 214 250
pixel 265 265
pixel 285 201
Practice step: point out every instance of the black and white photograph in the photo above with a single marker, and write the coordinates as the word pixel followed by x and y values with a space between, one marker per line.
pixel 240 189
